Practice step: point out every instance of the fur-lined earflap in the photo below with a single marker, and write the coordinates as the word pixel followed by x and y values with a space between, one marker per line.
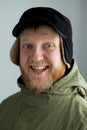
pixel 15 51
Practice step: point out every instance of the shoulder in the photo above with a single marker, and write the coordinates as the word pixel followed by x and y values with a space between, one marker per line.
pixel 77 113
pixel 9 109
pixel 10 101
pixel 79 110
pixel 79 99
pixel 80 103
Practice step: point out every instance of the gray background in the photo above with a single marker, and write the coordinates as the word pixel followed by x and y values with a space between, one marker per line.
pixel 10 12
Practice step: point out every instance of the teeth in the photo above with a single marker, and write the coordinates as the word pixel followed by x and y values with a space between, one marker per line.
pixel 39 69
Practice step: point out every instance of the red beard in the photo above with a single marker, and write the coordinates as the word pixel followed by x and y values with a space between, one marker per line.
pixel 44 84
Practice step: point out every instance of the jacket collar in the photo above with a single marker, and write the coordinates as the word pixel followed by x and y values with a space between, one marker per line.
pixel 66 85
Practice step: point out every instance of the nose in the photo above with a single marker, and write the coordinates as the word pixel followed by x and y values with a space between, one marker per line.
pixel 38 54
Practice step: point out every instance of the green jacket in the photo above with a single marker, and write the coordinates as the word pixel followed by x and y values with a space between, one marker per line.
pixel 63 107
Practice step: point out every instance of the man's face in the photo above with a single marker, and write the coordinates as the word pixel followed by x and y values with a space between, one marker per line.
pixel 40 58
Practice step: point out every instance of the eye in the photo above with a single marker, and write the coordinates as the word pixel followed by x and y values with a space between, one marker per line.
pixel 49 46
pixel 27 46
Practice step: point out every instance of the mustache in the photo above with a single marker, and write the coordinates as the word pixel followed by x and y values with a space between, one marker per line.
pixel 39 63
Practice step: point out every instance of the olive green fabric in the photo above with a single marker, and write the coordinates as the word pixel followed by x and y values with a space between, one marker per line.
pixel 63 107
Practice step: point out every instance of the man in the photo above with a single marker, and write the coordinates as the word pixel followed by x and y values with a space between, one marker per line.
pixel 53 93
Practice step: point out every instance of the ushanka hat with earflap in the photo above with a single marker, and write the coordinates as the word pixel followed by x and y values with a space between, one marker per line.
pixel 44 16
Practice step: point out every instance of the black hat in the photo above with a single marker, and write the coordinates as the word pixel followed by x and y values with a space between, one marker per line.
pixel 51 17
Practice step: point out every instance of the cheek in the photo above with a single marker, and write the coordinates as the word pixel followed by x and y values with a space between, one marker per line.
pixel 55 59
pixel 23 59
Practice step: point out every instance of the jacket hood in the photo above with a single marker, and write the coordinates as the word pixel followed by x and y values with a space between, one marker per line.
pixel 73 82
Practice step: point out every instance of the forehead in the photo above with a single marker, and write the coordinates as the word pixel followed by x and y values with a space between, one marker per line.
pixel 41 30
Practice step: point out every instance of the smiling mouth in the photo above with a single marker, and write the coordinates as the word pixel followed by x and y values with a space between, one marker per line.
pixel 39 68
